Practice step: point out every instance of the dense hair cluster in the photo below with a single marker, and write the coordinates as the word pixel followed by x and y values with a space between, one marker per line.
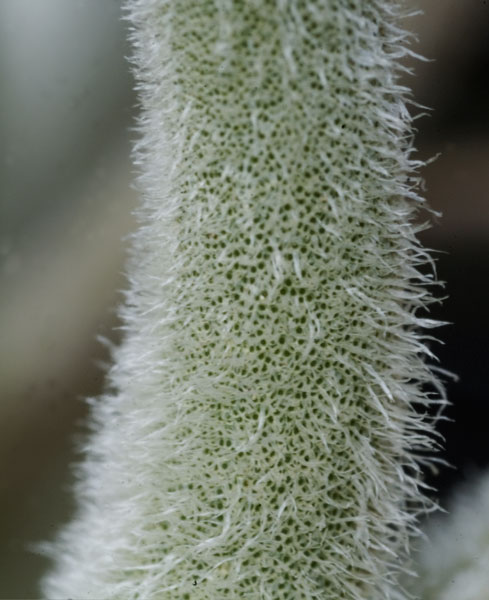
pixel 259 441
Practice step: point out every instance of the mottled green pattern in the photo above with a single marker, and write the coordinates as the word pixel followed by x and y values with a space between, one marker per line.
pixel 259 441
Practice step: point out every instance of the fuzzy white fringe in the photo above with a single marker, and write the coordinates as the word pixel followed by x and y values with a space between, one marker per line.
pixel 262 433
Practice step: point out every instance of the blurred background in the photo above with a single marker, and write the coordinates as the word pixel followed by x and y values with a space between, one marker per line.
pixel 66 109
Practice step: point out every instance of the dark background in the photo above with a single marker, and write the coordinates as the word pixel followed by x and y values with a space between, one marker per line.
pixel 65 203
pixel 455 84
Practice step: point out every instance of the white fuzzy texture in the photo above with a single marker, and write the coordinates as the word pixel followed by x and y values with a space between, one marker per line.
pixel 260 438
pixel 453 564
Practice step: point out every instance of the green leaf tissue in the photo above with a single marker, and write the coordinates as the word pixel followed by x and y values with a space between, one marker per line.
pixel 262 431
